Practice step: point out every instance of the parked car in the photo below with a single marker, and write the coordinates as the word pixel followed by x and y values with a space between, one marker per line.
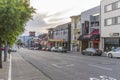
pixel 44 49
pixel 62 49
pixel 55 49
pixel 92 52
pixel 48 49
pixel 114 53
pixel 13 49
pixel 31 48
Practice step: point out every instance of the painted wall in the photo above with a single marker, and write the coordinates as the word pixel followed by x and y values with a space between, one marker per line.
pixel 107 30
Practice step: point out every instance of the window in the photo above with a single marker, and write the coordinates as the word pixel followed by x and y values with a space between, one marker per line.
pixel 64 32
pixel 114 20
pixel 118 4
pixel 74 37
pixel 109 7
pixel 108 21
pixel 118 19
pixel 56 32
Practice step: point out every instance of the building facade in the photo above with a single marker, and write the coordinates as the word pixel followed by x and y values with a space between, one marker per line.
pixel 75 32
pixel 50 38
pixel 110 24
pixel 62 35
pixel 90 24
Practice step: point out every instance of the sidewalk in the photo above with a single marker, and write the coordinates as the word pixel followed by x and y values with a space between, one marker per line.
pixel 22 70
pixel 4 71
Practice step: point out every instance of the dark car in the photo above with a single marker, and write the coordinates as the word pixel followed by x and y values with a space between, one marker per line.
pixel 62 49
pixel 92 52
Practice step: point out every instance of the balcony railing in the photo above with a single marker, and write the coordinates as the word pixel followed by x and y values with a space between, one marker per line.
pixel 76 31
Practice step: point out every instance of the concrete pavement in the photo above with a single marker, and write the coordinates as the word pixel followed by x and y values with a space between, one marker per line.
pixel 4 71
pixel 65 66
pixel 22 70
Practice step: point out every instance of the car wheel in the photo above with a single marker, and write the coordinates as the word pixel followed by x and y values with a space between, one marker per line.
pixel 83 53
pixel 91 54
pixel 110 55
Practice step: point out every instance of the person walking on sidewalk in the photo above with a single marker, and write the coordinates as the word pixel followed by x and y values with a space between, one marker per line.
pixel 9 51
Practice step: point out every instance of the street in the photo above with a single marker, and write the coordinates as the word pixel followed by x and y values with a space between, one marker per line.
pixel 64 66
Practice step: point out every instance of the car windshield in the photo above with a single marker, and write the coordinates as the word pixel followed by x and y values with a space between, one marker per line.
pixel 116 49
pixel 90 49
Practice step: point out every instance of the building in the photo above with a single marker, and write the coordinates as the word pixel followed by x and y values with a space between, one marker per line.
pixel 62 36
pixel 50 38
pixel 90 24
pixel 50 33
pixel 43 39
pixel 31 33
pixel 110 24
pixel 24 40
pixel 75 32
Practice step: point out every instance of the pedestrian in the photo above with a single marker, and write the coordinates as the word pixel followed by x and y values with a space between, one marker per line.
pixel 9 51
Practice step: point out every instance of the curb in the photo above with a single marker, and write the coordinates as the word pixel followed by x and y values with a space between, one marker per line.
pixel 10 68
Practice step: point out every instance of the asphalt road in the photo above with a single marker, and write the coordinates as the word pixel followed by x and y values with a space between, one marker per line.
pixel 70 66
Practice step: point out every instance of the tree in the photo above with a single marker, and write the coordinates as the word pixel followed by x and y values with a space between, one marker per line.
pixel 13 16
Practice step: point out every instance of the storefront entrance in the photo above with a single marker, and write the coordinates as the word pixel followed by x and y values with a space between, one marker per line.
pixel 111 43
pixel 84 45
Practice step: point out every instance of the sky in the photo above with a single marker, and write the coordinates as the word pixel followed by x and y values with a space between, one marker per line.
pixel 50 13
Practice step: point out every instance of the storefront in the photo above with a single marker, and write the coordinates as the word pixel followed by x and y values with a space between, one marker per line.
pixel 58 42
pixel 90 40
pixel 111 43
pixel 75 45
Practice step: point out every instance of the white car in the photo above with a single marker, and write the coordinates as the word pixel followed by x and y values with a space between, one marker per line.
pixel 14 49
pixel 114 53
pixel 54 49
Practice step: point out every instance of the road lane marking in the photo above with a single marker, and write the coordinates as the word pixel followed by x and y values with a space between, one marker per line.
pixel 62 65
pixel 57 66
pixel 10 68
pixel 70 65
pixel 100 67
pixel 103 78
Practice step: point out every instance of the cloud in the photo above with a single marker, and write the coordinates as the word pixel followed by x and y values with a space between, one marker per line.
pixel 60 13
pixel 38 20
pixel 41 22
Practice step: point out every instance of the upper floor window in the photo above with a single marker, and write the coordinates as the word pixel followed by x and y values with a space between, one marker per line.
pixel 112 21
pixel 112 6
pixel 108 22
pixel 118 19
pixel 118 4
pixel 57 32
pixel 109 7
pixel 75 38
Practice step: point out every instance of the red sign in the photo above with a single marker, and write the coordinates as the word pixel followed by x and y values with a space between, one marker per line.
pixel 96 41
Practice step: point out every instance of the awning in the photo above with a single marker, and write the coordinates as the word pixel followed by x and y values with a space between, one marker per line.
pixel 56 40
pixel 92 36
